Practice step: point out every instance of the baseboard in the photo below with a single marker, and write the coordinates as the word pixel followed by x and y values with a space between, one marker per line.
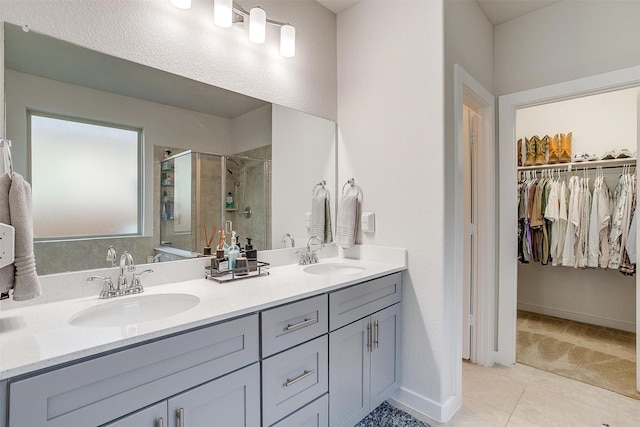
pixel 579 317
pixel 438 412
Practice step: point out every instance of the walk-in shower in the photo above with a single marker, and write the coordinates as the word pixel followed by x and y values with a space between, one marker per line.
pixel 194 192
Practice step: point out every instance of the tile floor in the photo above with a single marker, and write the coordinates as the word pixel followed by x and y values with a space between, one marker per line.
pixel 526 397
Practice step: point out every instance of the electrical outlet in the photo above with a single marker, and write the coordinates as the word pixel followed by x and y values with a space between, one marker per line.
pixel 368 222
pixel 7 244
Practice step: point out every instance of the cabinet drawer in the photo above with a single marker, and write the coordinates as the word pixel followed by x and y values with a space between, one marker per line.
pixel 105 388
pixel 315 414
pixel 292 324
pixel 294 378
pixel 356 302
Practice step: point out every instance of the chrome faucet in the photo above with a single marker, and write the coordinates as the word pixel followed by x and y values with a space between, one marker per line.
pixel 284 240
pixel 158 257
pixel 309 256
pixel 126 261
pixel 112 256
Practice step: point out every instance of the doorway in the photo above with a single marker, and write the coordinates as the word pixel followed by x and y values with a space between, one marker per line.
pixel 508 271
pixel 475 193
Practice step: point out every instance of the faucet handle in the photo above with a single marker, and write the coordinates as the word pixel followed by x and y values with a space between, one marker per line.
pixel 136 286
pixel 108 290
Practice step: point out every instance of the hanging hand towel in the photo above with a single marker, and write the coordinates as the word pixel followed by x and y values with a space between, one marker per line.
pixel 7 274
pixel 328 234
pixel 347 221
pixel 316 227
pixel 26 285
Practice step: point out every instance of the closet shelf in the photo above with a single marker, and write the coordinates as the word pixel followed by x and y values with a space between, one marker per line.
pixel 583 165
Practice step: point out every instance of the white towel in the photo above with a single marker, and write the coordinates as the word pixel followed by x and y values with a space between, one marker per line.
pixel 347 221
pixel 7 274
pixel 320 224
pixel 26 284
pixel 328 233
pixel 316 226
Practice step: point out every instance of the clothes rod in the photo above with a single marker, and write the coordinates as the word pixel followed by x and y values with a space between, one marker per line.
pixel 605 164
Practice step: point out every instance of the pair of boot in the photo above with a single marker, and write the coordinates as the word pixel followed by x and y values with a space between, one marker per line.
pixel 536 150
pixel 559 149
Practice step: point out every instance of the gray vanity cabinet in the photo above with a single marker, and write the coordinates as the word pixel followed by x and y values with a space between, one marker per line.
pixel 364 354
pixel 230 401
pixel 105 388
pixel 295 357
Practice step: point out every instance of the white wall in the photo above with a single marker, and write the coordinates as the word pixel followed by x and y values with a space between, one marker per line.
pixel 391 140
pixel 251 130
pixel 297 139
pixel 187 43
pixel 599 123
pixel 567 40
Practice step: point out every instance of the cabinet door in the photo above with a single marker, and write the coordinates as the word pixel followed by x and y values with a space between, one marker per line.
pixel 385 361
pixel 349 374
pixel 153 416
pixel 230 401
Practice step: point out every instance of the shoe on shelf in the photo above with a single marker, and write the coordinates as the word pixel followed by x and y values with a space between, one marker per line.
pixel 554 149
pixel 565 147
pixel 578 157
pixel 610 155
pixel 623 154
pixel 590 157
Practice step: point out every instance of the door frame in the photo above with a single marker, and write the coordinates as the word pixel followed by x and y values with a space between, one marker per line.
pixel 508 268
pixel 467 91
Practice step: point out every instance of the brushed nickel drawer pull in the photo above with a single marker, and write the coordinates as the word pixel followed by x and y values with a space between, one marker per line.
pixel 369 343
pixel 180 415
pixel 305 322
pixel 304 375
pixel 376 334
pixel 159 422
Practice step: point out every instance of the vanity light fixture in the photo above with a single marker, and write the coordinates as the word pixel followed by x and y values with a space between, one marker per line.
pixel 257 25
pixel 226 15
pixel 223 13
pixel 181 4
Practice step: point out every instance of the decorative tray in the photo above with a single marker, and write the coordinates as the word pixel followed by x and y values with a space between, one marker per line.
pixel 238 273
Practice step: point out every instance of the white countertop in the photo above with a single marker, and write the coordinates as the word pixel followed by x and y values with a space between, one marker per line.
pixel 38 336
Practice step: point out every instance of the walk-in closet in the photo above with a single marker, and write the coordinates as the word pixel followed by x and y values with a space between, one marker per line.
pixel 576 284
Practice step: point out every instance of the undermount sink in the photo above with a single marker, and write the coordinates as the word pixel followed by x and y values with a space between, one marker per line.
pixel 332 269
pixel 132 310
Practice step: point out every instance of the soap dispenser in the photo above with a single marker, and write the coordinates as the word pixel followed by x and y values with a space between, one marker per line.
pixel 252 255
pixel 234 251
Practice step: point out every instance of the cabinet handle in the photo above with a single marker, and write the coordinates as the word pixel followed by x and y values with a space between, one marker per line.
pixel 159 422
pixel 180 416
pixel 376 334
pixel 369 337
pixel 305 322
pixel 304 375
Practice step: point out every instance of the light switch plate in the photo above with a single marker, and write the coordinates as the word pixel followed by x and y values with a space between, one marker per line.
pixel 368 222
pixel 7 244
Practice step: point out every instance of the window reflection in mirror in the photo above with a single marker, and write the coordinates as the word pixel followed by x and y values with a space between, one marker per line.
pixel 85 178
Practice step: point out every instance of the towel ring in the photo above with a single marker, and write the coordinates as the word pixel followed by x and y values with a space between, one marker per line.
pixel 352 184
pixel 322 185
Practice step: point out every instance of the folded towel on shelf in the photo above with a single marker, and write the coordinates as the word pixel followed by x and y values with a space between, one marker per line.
pixel 7 274
pixel 347 221
pixel 27 284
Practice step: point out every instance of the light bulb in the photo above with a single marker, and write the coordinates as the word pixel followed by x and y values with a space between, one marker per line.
pixel 223 13
pixel 287 41
pixel 257 25
pixel 181 4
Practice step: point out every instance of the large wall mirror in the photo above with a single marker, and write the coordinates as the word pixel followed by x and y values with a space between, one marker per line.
pixel 266 157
